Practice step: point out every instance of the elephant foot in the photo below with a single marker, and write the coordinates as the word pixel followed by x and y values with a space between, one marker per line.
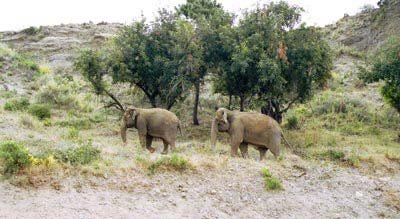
pixel 164 152
pixel 151 150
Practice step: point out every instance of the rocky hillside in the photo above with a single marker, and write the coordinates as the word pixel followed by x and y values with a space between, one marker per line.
pixel 367 30
pixel 59 44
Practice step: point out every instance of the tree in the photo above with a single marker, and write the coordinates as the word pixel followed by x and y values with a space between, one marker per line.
pixel 91 64
pixel 209 18
pixel 158 58
pixel 386 67
pixel 274 63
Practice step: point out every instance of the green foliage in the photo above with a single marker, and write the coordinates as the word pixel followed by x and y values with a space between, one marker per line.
pixel 386 65
pixel 14 157
pixel 79 123
pixel 40 111
pixel 15 104
pixel 178 162
pixel 80 155
pixel 265 172
pixel 292 122
pixel 271 182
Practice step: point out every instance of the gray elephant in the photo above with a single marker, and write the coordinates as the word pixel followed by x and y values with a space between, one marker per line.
pixel 246 128
pixel 151 123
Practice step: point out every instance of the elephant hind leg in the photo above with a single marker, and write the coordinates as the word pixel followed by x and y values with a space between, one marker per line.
pixel 149 140
pixel 244 149
pixel 165 151
pixel 262 152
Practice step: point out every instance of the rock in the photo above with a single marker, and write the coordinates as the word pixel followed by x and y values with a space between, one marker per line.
pixel 213 192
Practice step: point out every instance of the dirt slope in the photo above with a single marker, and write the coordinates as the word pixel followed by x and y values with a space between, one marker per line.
pixel 234 191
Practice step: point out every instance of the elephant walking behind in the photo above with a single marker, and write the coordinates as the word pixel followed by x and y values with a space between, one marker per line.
pixel 245 128
pixel 151 123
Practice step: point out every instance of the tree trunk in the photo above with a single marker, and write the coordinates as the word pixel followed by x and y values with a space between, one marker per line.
pixel 241 103
pixel 272 109
pixel 153 101
pixel 230 102
pixel 196 103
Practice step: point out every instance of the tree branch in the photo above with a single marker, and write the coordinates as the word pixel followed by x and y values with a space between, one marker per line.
pixel 116 103
pixel 290 104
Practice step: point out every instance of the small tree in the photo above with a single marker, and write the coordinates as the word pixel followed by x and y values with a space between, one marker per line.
pixel 386 67
pixel 158 58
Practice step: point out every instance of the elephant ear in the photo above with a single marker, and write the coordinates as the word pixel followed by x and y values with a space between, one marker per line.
pixel 129 113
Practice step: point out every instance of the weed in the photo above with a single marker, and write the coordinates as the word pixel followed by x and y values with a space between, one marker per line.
pixel 28 121
pixel 40 111
pixel 14 156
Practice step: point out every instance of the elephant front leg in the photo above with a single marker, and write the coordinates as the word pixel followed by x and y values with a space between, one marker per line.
pixel 244 150
pixel 234 148
pixel 149 140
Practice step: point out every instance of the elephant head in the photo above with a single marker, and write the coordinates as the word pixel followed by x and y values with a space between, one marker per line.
pixel 128 121
pixel 220 123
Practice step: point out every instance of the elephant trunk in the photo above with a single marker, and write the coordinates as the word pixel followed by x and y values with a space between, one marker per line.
pixel 123 129
pixel 214 131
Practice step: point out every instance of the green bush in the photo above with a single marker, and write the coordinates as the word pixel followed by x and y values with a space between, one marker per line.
pixel 81 155
pixel 73 133
pixel 17 104
pixel 273 183
pixel 14 156
pixel 40 111
pixel 292 122
pixel 265 172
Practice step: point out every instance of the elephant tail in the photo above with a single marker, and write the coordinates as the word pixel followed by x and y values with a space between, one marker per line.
pixel 296 151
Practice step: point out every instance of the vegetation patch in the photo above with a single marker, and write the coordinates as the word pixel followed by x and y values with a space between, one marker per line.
pixel 174 162
pixel 80 155
pixel 40 111
pixel 271 182
pixel 13 157
pixel 16 104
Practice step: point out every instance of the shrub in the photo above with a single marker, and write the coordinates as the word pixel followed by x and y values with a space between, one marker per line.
pixel 14 156
pixel 17 104
pixel 292 122
pixel 81 155
pixel 40 111
pixel 273 183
